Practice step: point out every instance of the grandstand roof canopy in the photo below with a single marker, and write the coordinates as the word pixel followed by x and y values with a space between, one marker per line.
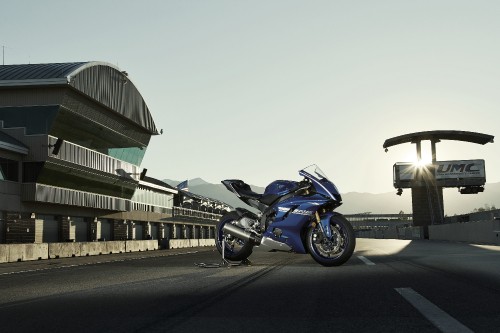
pixel 103 82
pixel 158 184
pixel 437 136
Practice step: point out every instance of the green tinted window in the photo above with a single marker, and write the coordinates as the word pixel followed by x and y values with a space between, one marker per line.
pixel 132 155
pixel 36 119
pixel 97 136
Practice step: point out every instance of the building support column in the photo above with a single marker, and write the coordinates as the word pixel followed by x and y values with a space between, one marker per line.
pixel 185 232
pixel 131 230
pixel 161 230
pixel 95 230
pixel 23 228
pixel 173 232
pixel 427 205
pixel 68 229
pixel 146 230
pixel 120 230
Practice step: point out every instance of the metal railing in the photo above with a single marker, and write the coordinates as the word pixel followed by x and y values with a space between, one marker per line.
pixel 378 217
pixel 183 213
pixel 82 156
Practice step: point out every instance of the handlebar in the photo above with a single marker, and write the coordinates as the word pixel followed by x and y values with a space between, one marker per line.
pixel 303 185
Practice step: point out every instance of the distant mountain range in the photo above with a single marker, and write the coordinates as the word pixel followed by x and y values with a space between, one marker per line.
pixel 355 202
pixel 214 191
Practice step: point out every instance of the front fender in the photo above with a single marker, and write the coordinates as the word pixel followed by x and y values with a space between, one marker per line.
pixel 325 223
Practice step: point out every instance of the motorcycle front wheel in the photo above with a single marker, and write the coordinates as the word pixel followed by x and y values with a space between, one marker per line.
pixel 235 249
pixel 336 250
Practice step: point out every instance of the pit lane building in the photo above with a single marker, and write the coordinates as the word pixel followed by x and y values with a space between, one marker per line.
pixel 72 139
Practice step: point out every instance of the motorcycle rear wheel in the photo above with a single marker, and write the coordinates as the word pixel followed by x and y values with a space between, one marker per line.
pixel 336 250
pixel 235 249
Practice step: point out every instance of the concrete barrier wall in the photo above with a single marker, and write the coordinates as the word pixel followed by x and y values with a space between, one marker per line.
pixel 183 243
pixel 487 232
pixel 16 253
pixel 416 233
pixel 4 253
pixel 132 246
pixel 392 233
pixel 178 243
pixel 92 248
pixel 141 245
pixel 480 232
pixel 35 251
pixel 23 252
pixel 114 247
pixel 207 242
pixel 64 250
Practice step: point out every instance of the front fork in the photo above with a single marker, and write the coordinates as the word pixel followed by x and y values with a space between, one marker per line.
pixel 324 224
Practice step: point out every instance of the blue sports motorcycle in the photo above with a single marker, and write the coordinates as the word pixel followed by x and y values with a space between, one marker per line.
pixel 294 216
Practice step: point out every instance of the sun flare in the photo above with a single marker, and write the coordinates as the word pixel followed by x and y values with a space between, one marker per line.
pixel 422 162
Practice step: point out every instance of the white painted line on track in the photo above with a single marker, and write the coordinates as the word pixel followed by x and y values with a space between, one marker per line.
pixel 366 261
pixel 443 321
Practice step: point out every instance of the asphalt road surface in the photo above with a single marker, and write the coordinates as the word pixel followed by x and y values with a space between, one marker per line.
pixel 387 286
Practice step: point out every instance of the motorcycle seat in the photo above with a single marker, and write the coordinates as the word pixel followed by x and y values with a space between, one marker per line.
pixel 268 199
pixel 245 190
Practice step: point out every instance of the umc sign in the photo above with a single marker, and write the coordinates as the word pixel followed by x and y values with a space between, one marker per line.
pixel 468 175
pixel 427 181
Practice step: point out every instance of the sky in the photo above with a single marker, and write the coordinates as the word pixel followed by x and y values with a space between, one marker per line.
pixel 257 90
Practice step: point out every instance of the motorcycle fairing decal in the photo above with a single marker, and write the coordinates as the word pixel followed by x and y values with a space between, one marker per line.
pixel 302 212
pixel 299 205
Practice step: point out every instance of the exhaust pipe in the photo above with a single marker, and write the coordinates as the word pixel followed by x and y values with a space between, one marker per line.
pixel 238 232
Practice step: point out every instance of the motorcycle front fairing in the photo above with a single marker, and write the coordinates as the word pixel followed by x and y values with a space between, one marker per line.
pixel 325 187
pixel 321 183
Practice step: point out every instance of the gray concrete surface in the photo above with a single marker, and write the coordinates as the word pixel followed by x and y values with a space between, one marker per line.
pixel 163 291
